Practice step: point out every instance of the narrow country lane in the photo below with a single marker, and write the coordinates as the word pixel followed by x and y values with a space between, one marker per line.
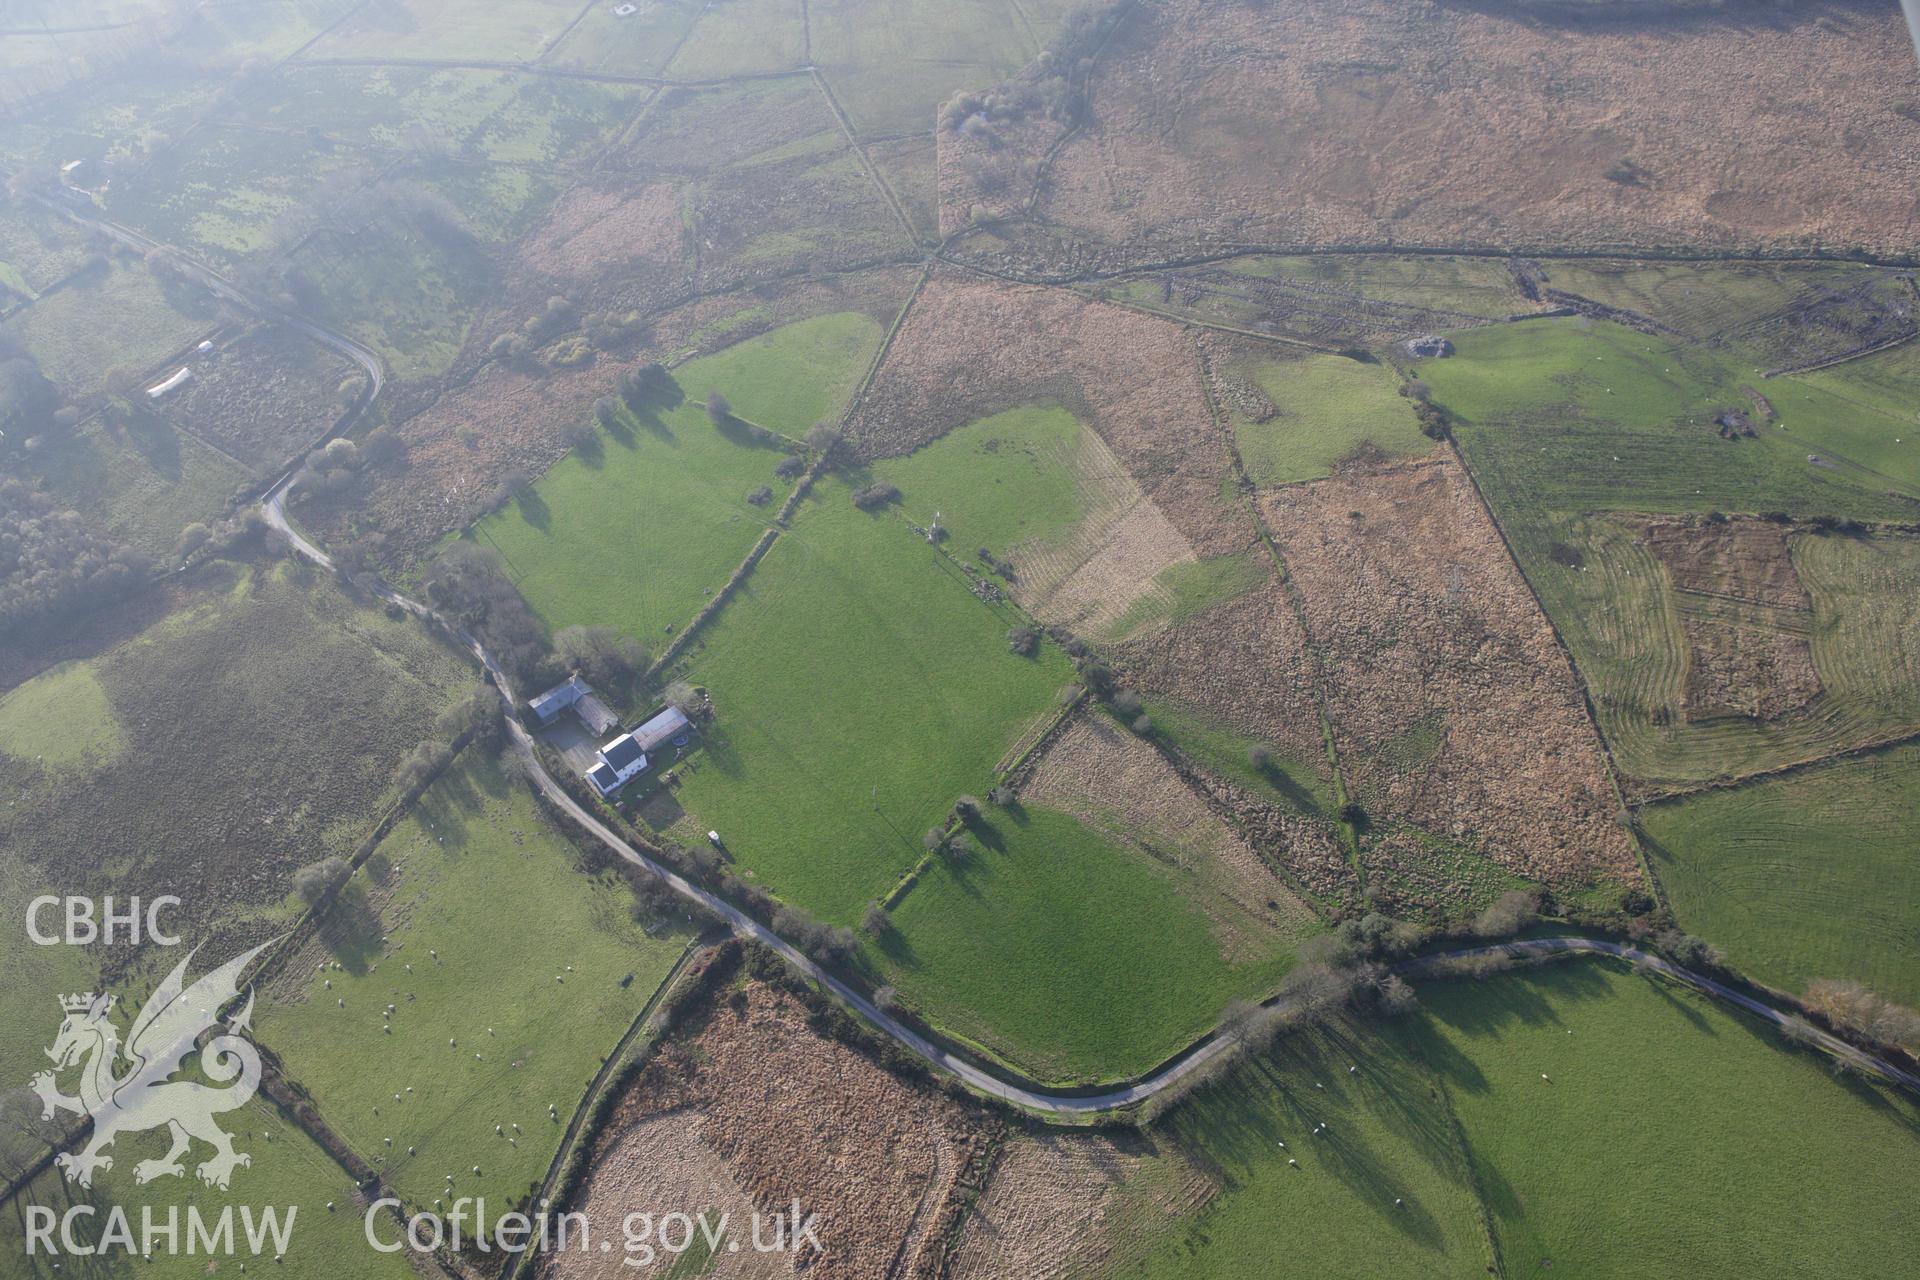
pixel 1034 1098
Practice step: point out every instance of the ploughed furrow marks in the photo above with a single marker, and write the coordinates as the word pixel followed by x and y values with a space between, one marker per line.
pixel 656 1162
pixel 1745 615
pixel 1090 581
pixel 1796 643
pixel 1452 705
pixel 1716 647
pixel 1866 635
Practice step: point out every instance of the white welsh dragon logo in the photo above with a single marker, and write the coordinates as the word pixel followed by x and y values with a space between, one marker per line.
pixel 144 1096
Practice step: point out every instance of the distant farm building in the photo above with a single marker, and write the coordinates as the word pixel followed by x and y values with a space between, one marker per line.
pixel 595 714
pixel 159 389
pixel 621 760
pixel 662 729
pixel 548 706
pixel 625 757
pixel 577 694
pixel 1428 346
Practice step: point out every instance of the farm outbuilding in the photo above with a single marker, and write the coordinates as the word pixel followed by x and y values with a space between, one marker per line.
pixel 661 729
pixel 595 714
pixel 547 706
pixel 179 379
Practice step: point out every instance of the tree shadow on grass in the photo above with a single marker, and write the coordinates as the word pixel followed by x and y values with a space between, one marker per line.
pixel 1234 1129
pixel 717 750
pixel 650 409
pixel 442 813
pixel 748 435
pixel 1524 996
pixel 897 948
pixel 591 450
pixel 533 508
pixel 350 929
pixel 988 835
pixel 157 443
pixel 620 433
pixel 1685 1008
pixel 1296 796
pixel 1654 848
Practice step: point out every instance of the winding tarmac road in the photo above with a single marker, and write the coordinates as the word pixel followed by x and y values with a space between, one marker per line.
pixel 1064 1104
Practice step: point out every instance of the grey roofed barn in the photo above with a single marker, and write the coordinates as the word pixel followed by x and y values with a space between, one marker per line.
pixel 557 699
pixel 661 729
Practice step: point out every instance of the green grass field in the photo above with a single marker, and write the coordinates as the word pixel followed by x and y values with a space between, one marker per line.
pixel 265 29
pixel 1670 1134
pixel 37 976
pixel 299 702
pixel 741 37
pixel 1805 876
pixel 639 44
pixel 1328 407
pixel 637 531
pixel 218 192
pixel 1016 949
pixel 1476 286
pixel 1389 1137
pixel 489 115
pixel 1563 421
pixel 512 31
pixel 859 689
pixel 1558 401
pixel 1698 300
pixel 290 1174
pixel 143 483
pixel 36 251
pixel 1623 621
pixel 892 76
pixel 1034 486
pixel 400 293
pixel 1004 482
pixel 118 314
pixel 63 717
pixel 475 855
pixel 1302 786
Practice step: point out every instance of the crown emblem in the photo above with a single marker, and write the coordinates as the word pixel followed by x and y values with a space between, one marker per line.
pixel 79 1003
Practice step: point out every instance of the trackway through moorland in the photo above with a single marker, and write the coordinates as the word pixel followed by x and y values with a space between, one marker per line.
pixel 1062 1104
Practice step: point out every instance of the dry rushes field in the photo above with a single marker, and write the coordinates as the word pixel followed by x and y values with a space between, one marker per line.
pixel 1452 703
pixel 970 349
pixel 760 1108
pixel 1495 124
pixel 1051 1206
